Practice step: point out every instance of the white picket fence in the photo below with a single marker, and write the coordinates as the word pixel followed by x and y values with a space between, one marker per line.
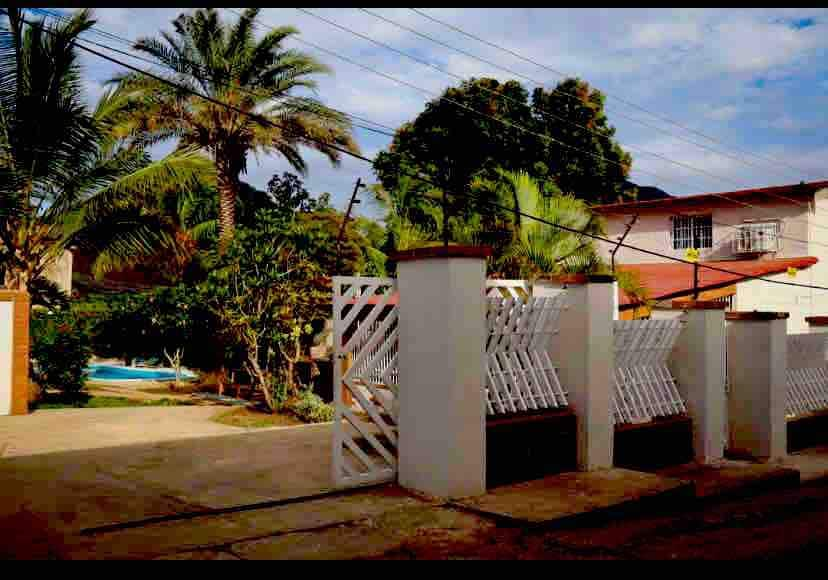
pixel 520 375
pixel 644 386
pixel 807 373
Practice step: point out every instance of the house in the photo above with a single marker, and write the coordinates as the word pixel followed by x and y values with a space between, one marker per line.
pixel 779 233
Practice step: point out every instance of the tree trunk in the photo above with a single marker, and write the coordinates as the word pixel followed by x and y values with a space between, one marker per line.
pixel 228 190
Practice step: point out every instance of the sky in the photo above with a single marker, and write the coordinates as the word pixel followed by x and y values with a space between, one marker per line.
pixel 754 80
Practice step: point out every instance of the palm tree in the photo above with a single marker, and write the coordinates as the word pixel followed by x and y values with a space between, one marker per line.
pixel 228 64
pixel 541 248
pixel 65 179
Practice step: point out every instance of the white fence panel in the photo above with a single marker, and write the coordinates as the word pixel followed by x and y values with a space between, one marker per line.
pixel 508 289
pixel 520 375
pixel 365 334
pixel 807 373
pixel 644 386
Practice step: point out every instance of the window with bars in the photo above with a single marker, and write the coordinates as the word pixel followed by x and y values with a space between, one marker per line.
pixel 692 231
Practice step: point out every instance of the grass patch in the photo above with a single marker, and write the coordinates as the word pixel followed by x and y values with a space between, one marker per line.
pixel 253 419
pixel 103 402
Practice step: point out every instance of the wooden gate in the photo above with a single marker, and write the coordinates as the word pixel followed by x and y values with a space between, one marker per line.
pixel 807 374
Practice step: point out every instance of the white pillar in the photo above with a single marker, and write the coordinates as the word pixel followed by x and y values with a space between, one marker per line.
pixel 697 363
pixel 584 351
pixel 6 358
pixel 757 345
pixel 442 407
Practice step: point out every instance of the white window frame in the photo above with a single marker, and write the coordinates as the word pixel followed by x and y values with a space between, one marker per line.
pixel 758 236
pixel 686 235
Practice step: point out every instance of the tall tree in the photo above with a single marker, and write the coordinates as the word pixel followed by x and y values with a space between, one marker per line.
pixel 227 63
pixel 461 140
pixel 65 180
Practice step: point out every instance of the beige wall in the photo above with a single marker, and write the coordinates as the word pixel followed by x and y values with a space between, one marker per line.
pixel 6 346
pixel 60 272
pixel 653 232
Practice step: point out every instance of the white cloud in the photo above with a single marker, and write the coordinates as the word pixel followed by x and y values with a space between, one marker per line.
pixel 723 113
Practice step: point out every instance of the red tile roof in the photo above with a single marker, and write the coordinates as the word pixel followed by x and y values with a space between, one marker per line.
pixel 668 279
pixel 703 199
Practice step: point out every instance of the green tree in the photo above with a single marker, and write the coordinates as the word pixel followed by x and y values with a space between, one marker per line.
pixel 227 63
pixel 65 180
pixel 539 248
pixel 268 296
pixel 458 147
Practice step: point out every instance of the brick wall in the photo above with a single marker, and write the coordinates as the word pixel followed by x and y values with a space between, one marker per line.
pixel 20 350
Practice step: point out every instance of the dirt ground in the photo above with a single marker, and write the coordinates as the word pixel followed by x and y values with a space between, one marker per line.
pixel 774 525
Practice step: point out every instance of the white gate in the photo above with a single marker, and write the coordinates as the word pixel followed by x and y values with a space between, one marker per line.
pixel 365 371
pixel 508 289
pixel 807 373
pixel 520 375
pixel 644 386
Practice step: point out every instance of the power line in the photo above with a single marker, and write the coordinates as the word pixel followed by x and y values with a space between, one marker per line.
pixel 267 121
pixel 62 18
pixel 628 103
pixel 509 123
pixel 555 90
pixel 138 57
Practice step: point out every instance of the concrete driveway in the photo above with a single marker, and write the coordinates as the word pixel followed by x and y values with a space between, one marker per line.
pixel 63 471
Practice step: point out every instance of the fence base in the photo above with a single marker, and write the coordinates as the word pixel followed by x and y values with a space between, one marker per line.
pixel 808 431
pixel 660 443
pixel 530 446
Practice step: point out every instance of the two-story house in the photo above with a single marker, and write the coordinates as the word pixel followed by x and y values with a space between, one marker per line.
pixel 779 233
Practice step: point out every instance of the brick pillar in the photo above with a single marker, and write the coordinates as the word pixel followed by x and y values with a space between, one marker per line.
pixel 442 404
pixel 697 363
pixel 757 349
pixel 14 353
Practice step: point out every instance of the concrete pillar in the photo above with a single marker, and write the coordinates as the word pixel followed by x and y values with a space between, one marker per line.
pixel 757 345
pixel 697 363
pixel 14 353
pixel 442 406
pixel 584 352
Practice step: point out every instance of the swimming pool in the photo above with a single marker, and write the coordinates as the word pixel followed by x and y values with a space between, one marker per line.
pixel 106 372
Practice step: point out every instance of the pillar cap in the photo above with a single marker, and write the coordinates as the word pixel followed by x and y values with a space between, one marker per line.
pixel 756 315
pixel 442 252
pixel 817 320
pixel 574 279
pixel 699 305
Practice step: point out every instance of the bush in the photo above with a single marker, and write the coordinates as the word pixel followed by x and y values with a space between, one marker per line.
pixel 310 407
pixel 60 350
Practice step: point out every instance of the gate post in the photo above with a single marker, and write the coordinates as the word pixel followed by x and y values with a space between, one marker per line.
pixel 697 362
pixel 817 323
pixel 757 345
pixel 442 404
pixel 14 353
pixel 584 351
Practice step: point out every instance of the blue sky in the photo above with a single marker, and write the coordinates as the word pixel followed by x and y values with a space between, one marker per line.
pixel 755 79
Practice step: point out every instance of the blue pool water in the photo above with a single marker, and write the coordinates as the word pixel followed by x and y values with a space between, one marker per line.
pixel 121 373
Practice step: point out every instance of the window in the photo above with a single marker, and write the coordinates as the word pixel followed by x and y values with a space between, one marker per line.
pixel 692 231
pixel 757 237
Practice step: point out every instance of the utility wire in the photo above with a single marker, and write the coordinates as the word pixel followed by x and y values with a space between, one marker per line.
pixel 154 62
pixel 628 103
pixel 555 90
pixel 267 121
pixel 131 44
pixel 520 127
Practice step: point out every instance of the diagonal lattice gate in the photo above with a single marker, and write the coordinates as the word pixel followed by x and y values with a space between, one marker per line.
pixel 365 380
pixel 807 374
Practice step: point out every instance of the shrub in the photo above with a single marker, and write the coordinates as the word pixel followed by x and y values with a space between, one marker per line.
pixel 310 407
pixel 60 351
